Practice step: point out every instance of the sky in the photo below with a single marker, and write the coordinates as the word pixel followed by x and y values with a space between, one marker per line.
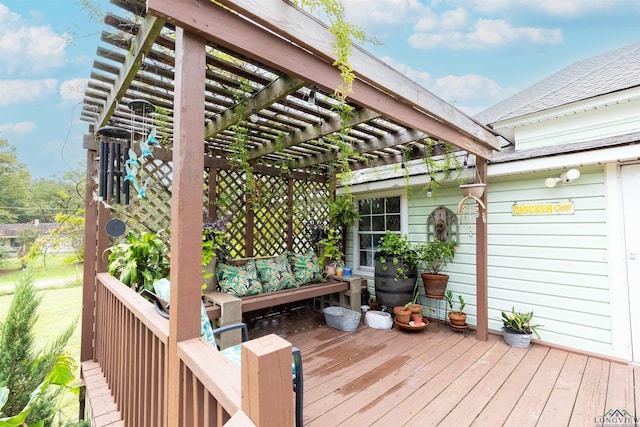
pixel 470 53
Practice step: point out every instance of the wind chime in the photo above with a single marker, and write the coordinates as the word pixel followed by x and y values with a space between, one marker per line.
pixel 132 163
pixel 118 162
pixel 474 192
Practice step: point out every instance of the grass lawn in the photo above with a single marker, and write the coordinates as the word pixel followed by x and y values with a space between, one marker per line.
pixel 58 309
pixel 54 274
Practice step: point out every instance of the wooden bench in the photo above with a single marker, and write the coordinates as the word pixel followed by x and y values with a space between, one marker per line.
pixel 224 309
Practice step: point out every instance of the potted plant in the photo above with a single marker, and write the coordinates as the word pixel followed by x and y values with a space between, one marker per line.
pixel 457 318
pixel 435 255
pixel 213 249
pixel 416 309
pixel 343 213
pixel 332 254
pixel 402 314
pixel 517 328
pixel 395 270
pixel 139 261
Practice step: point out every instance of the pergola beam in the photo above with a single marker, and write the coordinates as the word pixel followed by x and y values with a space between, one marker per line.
pixel 268 95
pixel 149 31
pixel 312 132
pixel 386 141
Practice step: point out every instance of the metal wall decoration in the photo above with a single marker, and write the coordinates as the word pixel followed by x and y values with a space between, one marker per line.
pixel 442 224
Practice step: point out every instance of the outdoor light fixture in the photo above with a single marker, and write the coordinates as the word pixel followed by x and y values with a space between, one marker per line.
pixel 566 177
pixel 312 96
pixel 429 191
pixel 254 115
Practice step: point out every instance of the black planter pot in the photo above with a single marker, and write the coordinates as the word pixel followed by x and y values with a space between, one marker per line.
pixel 389 291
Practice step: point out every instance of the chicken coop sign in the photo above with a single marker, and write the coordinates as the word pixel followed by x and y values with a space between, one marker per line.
pixel 557 208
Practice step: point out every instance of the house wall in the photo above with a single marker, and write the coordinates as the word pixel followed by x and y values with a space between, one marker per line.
pixel 587 120
pixel 555 265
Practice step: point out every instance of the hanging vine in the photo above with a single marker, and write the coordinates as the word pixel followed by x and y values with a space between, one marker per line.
pixel 346 33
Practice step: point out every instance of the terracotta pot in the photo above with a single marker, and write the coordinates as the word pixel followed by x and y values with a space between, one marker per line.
pixel 416 309
pixel 434 284
pixel 402 315
pixel 417 319
pixel 458 319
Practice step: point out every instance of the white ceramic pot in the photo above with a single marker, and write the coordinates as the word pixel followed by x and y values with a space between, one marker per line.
pixel 378 319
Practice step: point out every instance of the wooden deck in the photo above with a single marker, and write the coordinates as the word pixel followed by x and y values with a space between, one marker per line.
pixel 443 377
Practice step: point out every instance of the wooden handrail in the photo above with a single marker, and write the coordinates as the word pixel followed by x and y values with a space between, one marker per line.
pixel 131 350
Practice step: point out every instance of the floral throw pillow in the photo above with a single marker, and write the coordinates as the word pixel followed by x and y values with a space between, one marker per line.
pixel 275 273
pixel 306 268
pixel 239 281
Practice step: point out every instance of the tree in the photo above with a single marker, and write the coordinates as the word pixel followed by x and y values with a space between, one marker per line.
pixel 22 366
pixel 15 179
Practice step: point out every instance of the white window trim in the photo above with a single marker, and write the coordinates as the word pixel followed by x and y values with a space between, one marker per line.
pixel 404 226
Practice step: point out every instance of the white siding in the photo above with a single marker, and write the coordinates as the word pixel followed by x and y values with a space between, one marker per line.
pixel 555 265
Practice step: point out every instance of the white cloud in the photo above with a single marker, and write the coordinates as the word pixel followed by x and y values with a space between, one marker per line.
pixel 485 33
pixel 469 89
pixel 21 128
pixel 73 90
pixel 371 13
pixel 25 91
pixel 27 48
pixel 564 8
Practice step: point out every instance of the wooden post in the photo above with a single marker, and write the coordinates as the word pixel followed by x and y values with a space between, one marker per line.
pixel 290 213
pixel 186 211
pixel 482 277
pixel 267 387
pixel 89 268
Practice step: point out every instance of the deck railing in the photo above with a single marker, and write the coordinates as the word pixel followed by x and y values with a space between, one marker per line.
pixel 131 347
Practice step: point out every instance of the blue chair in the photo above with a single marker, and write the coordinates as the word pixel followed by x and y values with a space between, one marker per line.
pixel 161 302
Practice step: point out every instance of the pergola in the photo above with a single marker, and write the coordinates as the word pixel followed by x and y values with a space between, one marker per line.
pixel 266 66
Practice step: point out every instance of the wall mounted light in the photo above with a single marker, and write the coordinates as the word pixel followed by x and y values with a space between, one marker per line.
pixel 254 115
pixel 565 177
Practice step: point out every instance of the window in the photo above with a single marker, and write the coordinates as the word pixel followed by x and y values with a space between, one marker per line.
pixel 378 215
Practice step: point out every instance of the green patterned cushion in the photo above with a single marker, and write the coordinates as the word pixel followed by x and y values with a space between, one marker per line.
pixel 239 280
pixel 275 273
pixel 305 268
pixel 163 287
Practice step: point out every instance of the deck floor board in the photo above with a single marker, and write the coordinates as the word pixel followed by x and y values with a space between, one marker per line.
pixel 439 376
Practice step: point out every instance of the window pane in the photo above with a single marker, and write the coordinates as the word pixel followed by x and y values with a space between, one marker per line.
pixel 393 222
pixel 366 241
pixel 378 215
pixel 376 240
pixel 366 259
pixel 364 207
pixel 393 205
pixel 377 223
pixel 365 223
pixel 377 206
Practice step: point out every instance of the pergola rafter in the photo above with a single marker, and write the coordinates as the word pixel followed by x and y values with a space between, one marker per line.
pixel 269 72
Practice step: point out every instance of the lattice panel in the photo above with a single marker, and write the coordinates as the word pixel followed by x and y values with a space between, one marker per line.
pixel 310 210
pixel 270 216
pixel 153 211
pixel 231 203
